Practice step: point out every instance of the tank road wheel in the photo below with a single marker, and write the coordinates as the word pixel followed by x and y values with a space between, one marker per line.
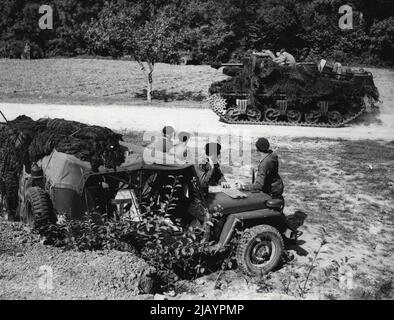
pixel 233 113
pixel 260 249
pixel 312 117
pixel 293 116
pixel 271 115
pixel 38 208
pixel 334 117
pixel 217 104
pixel 253 114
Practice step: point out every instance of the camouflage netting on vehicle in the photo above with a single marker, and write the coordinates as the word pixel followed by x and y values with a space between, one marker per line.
pixel 24 141
pixel 299 83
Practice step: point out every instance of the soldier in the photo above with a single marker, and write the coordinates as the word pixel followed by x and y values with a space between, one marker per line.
pixel 285 58
pixel 208 169
pixel 164 143
pixel 265 53
pixel 181 150
pixel 268 179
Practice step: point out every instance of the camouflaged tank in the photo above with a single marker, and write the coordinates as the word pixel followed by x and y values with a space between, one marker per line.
pixel 259 91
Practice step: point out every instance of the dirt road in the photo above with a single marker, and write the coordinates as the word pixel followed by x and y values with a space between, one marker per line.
pixel 142 117
pixel 127 113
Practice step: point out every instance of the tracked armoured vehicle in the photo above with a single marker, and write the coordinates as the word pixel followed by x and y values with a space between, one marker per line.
pixel 259 91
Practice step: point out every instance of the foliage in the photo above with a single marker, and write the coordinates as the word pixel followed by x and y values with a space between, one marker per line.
pixel 175 252
pixel 173 96
pixel 382 38
pixel 298 281
pixel 209 30
pixel 147 35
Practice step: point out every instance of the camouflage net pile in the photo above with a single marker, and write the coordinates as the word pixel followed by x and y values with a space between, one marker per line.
pixel 24 141
pixel 301 83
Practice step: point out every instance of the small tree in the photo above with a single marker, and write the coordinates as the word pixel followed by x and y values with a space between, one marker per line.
pixel 152 42
pixel 147 36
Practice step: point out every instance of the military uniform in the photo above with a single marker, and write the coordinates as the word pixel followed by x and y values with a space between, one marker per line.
pixel 162 144
pixel 182 153
pixel 285 58
pixel 209 174
pixel 268 179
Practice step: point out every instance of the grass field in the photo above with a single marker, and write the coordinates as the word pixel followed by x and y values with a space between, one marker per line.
pixel 98 81
pixel 101 81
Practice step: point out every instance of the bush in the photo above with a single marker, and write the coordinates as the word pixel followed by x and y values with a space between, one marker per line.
pixel 210 30
pixel 3 49
pixel 165 96
pixel 151 239
pixel 14 49
pixel 186 255
pixel 36 52
pixel 382 39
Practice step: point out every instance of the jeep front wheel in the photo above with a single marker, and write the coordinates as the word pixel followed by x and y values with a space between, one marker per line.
pixel 260 249
pixel 38 208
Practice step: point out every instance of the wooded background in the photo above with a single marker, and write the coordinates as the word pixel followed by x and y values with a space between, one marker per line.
pixel 208 30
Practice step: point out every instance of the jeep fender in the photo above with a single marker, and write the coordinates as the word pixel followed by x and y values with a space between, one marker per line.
pixel 249 219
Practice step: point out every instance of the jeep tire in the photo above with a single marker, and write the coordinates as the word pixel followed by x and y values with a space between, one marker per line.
pixel 38 208
pixel 259 250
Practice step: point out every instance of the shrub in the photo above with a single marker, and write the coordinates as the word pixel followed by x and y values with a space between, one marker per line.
pixel 382 39
pixel 14 49
pixel 166 96
pixel 3 49
pixel 184 254
pixel 36 52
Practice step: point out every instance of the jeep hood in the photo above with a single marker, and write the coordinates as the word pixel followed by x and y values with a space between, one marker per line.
pixel 254 201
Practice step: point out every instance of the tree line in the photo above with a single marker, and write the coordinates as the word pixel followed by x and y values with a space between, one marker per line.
pixel 207 31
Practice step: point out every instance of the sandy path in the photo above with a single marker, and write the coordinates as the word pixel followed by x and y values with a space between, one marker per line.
pixel 196 120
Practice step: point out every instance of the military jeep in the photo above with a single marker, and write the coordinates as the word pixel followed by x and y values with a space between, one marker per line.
pixel 62 185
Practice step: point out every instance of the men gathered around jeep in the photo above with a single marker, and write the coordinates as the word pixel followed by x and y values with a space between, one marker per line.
pixel 267 179
pixel 208 169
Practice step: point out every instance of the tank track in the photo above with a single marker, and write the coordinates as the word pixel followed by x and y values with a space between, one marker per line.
pixel 225 119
